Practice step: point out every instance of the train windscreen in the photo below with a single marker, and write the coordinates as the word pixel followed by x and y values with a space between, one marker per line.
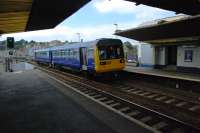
pixel 110 51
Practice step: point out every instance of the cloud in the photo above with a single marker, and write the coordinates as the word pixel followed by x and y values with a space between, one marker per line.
pixel 62 32
pixel 119 6
pixel 144 13
pixel 126 7
pixel 70 33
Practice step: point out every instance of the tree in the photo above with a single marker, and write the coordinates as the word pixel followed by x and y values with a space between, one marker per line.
pixel 128 45
pixel 32 42
pixel 131 51
pixel 66 41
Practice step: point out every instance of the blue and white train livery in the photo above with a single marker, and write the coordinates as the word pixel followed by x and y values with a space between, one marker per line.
pixel 103 55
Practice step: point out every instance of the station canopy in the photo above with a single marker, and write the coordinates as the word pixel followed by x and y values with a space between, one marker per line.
pixel 29 15
pixel 163 32
pixel 189 7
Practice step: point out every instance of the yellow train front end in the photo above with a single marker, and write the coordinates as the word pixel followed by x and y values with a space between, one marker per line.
pixel 109 56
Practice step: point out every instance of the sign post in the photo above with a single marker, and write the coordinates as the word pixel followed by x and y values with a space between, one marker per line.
pixel 9 52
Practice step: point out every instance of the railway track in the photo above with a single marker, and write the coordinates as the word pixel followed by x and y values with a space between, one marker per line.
pixel 178 102
pixel 146 117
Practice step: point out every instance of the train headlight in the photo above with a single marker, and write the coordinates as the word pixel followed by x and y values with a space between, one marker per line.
pixel 103 63
pixel 122 61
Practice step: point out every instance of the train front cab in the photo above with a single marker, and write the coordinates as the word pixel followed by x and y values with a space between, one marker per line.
pixel 109 56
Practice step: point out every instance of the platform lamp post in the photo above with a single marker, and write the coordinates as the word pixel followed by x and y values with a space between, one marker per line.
pixel 116 28
pixel 79 36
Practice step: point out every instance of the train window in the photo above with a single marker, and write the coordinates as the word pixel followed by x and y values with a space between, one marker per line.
pixel 43 54
pixel 74 53
pixel 62 53
pixel 65 53
pixel 119 52
pixel 71 53
pixel 110 52
pixel 90 52
pixel 55 53
pixel 102 53
pixel 68 52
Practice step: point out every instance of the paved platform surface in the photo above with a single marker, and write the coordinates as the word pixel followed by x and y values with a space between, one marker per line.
pixel 162 73
pixel 2 67
pixel 31 102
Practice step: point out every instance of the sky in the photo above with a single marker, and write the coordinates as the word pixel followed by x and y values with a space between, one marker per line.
pixel 96 20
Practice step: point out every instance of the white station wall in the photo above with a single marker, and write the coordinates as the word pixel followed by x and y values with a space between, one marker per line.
pixel 195 63
pixel 146 55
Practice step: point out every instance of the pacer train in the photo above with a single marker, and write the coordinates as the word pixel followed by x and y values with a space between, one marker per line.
pixel 99 56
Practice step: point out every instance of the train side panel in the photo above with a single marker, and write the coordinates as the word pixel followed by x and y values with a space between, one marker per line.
pixel 66 57
pixel 104 55
pixel 42 57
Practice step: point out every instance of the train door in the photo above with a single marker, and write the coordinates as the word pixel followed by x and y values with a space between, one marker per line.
pixel 83 58
pixel 172 55
pixel 50 57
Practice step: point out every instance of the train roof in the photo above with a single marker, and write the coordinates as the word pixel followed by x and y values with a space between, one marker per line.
pixel 74 45
pixel 41 50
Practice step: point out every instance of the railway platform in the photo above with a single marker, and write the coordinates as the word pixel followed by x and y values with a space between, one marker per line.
pixel 163 73
pixel 35 103
pixel 169 79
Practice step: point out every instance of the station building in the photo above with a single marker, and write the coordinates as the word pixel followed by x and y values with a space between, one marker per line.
pixel 181 56
pixel 178 54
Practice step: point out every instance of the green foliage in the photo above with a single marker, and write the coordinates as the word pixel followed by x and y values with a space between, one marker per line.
pixel 130 49
pixel 128 45
pixel 66 41
pixel 20 44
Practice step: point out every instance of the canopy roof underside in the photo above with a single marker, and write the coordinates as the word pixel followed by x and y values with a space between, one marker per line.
pixel 29 15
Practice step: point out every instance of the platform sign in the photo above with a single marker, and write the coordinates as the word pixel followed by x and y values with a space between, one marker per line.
pixel 188 55
pixel 10 42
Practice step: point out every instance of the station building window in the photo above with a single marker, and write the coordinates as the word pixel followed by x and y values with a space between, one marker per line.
pixel 188 55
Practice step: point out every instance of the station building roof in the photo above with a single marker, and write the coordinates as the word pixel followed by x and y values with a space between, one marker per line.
pixel 165 32
pixel 29 15
pixel 190 7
